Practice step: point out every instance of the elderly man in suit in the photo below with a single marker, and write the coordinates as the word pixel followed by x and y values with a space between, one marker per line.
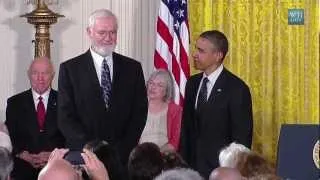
pixel 102 94
pixel 31 118
pixel 217 109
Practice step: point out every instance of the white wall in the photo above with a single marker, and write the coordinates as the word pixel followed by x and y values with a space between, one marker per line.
pixel 135 37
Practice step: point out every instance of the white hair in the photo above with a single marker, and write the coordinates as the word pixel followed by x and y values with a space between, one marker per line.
pixel 228 156
pixel 101 13
pixel 179 174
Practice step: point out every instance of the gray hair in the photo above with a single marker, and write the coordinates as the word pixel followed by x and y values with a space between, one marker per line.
pixel 228 156
pixel 6 163
pixel 164 74
pixel 101 13
pixel 179 174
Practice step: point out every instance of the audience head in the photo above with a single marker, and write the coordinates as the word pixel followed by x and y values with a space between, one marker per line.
pixel 145 162
pixel 160 85
pixel 265 177
pixel 6 164
pixel 41 73
pixel 58 169
pixel 252 164
pixel 4 138
pixel 225 173
pixel 108 156
pixel 228 156
pixel 179 174
pixel 102 31
pixel 172 160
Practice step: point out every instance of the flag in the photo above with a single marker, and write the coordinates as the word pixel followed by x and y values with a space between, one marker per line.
pixel 172 43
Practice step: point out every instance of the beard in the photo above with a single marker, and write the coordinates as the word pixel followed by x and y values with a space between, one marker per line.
pixel 104 50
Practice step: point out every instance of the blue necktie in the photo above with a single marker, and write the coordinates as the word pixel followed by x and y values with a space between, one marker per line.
pixel 202 97
pixel 106 82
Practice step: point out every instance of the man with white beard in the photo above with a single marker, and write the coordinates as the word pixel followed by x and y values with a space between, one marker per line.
pixel 102 94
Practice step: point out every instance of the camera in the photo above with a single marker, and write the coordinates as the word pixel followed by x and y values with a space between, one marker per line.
pixel 74 157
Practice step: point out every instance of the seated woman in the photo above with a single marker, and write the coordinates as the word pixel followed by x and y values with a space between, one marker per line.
pixel 164 116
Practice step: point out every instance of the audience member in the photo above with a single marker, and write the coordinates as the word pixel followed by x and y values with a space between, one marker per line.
pixel 252 164
pixel 217 108
pixel 4 137
pixel 93 166
pixel 164 116
pixel 102 94
pixel 59 169
pixel 225 173
pixel 145 162
pixel 172 160
pixel 109 157
pixel 32 122
pixel 179 174
pixel 6 164
pixel 265 177
pixel 228 156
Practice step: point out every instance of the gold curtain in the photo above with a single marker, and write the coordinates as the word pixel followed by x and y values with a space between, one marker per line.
pixel 279 62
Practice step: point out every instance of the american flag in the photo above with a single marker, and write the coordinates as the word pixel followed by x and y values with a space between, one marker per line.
pixel 172 43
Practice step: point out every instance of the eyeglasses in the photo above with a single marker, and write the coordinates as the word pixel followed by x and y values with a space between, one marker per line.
pixel 106 33
pixel 159 84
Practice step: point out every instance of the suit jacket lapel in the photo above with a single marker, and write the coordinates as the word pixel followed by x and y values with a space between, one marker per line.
pixel 51 109
pixel 91 71
pixel 31 117
pixel 218 87
pixel 116 75
pixel 196 87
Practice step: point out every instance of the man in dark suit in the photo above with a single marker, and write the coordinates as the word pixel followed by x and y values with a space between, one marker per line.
pixel 102 94
pixel 217 108
pixel 31 118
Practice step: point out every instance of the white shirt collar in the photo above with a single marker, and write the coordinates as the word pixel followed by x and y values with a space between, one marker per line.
pixel 45 97
pixel 214 75
pixel 97 60
pixel 212 80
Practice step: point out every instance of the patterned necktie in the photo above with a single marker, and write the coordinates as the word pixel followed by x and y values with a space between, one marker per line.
pixel 106 82
pixel 202 97
pixel 41 113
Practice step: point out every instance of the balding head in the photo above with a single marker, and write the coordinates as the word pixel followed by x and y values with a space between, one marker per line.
pixel 225 173
pixel 41 74
pixel 58 169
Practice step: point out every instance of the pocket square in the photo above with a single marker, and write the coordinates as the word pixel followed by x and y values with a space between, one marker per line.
pixel 219 90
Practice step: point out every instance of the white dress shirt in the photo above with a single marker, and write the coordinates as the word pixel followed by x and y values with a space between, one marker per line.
pixel 97 60
pixel 212 80
pixel 45 98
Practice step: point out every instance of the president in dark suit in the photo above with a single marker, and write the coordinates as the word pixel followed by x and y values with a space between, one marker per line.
pixel 102 94
pixel 31 118
pixel 217 108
